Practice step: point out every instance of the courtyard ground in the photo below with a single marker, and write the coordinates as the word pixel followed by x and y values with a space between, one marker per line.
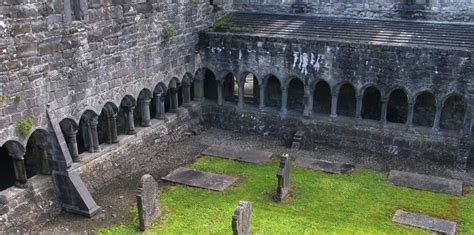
pixel 118 198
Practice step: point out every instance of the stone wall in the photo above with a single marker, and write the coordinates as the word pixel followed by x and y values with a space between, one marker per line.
pixel 440 10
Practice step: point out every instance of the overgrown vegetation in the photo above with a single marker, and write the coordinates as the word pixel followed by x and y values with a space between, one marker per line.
pixel 24 126
pixel 362 203
pixel 226 24
pixel 168 32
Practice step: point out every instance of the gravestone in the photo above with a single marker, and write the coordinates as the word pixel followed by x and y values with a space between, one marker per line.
pixel 324 166
pixel 147 202
pixel 283 176
pixel 241 218
pixel 200 179
pixel 426 182
pixel 425 222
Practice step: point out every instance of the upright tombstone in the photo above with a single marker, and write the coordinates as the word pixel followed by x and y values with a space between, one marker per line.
pixel 283 176
pixel 241 218
pixel 147 202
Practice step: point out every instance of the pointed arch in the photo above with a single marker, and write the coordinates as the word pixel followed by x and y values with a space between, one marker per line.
pixel 86 135
pixel 371 103
pixel 397 108
pixel 251 88
pixel 209 85
pixel 37 155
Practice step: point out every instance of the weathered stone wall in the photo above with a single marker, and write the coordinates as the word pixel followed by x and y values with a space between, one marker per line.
pixel 442 10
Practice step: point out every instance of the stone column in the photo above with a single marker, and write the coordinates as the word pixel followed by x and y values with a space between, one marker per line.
pixel 94 137
pixel 174 100
pixel 72 144
pixel 383 117
pixel 334 105
pixel 241 94
pixel 130 125
pixel 145 112
pixel 44 161
pixel 409 122
pixel 112 127
pixel 284 100
pixel 262 98
pixel 159 106
pixel 186 93
pixel 437 119
pixel 18 158
pixel 308 110
pixel 220 98
pixel 359 107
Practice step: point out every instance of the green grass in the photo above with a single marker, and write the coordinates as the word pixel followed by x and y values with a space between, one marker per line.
pixel 362 203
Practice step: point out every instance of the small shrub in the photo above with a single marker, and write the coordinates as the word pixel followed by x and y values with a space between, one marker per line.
pixel 168 32
pixel 24 126
pixel 17 99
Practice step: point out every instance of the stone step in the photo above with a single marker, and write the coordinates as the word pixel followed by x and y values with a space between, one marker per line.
pixel 324 166
pixel 425 222
pixel 426 182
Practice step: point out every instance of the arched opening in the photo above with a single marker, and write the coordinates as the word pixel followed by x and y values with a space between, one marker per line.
pixel 69 129
pixel 424 110
pixel 230 89
pixel 397 109
pixel 210 86
pixel 142 111
pixel 37 155
pixel 125 117
pixel 346 101
pixel 7 170
pixel 158 101
pixel 322 98
pixel 273 92
pixel 296 95
pixel 107 126
pixel 371 103
pixel 173 94
pixel 87 132
pixel 251 89
pixel 453 113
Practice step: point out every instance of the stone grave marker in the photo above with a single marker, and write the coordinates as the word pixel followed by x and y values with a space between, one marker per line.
pixel 200 179
pixel 426 182
pixel 147 202
pixel 283 176
pixel 241 218
pixel 324 166
pixel 424 222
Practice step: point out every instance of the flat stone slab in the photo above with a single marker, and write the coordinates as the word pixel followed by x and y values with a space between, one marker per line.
pixel 425 182
pixel 200 179
pixel 424 222
pixel 252 156
pixel 324 166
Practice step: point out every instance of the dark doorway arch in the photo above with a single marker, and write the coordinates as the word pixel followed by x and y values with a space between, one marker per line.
pixel 397 109
pixel 453 113
pixel 273 92
pixel 346 101
pixel 424 110
pixel 230 88
pixel 37 155
pixel 296 95
pixel 7 170
pixel 210 86
pixel 371 103
pixel 322 98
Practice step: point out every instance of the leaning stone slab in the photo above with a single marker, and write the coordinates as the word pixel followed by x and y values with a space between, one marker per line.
pixel 241 218
pixel 147 202
pixel 425 182
pixel 283 175
pixel 200 179
pixel 324 166
pixel 424 222
pixel 252 156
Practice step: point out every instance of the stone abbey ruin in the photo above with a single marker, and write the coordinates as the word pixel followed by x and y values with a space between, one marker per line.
pixel 90 89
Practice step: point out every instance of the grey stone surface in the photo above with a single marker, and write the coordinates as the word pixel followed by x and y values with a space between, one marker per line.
pixel 252 156
pixel 283 176
pixel 325 166
pixel 242 218
pixel 426 182
pixel 425 222
pixel 148 203
pixel 200 179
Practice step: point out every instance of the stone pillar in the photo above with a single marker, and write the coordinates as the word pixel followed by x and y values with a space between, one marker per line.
pixel 44 161
pixel 18 158
pixel 241 94
pixel 112 127
pixel 93 135
pixel 437 119
pixel 130 125
pixel 220 98
pixel 411 107
pixel 72 144
pixel 334 105
pixel 159 106
pixel 383 117
pixel 174 100
pixel 308 109
pixel 262 98
pixel 145 112
pixel 359 107
pixel 284 100
pixel 186 93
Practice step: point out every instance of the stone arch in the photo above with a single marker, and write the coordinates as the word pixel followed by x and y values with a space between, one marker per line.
pixel 322 97
pixel 37 155
pixel 397 107
pixel 230 88
pixel 295 94
pixel 209 85
pixel 272 91
pixel 371 103
pixel 142 111
pixel 87 136
pixel 69 129
pixel 346 100
pixel 188 88
pixel 107 127
pixel 158 102
pixel 251 88
pixel 174 93
pixel 11 158
pixel 125 119
pixel 424 109
pixel 453 112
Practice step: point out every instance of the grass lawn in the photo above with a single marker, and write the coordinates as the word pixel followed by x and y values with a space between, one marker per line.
pixel 362 203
